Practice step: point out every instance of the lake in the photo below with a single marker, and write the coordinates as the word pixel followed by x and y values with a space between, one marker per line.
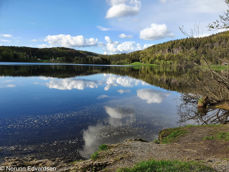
pixel 67 111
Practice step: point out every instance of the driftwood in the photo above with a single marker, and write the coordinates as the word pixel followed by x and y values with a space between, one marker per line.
pixel 221 105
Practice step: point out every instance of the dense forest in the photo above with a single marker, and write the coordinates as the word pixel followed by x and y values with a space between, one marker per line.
pixel 189 51
pixel 215 49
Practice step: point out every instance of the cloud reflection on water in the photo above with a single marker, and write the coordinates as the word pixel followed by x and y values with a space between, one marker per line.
pixel 124 81
pixel 152 96
pixel 104 96
pixel 71 83
pixel 124 120
pixel 6 83
pixel 122 91
pixel 105 80
pixel 117 125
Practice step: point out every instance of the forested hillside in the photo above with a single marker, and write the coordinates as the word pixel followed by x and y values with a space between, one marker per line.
pixel 215 49
pixel 61 55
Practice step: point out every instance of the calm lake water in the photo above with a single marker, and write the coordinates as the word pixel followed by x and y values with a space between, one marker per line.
pixel 69 110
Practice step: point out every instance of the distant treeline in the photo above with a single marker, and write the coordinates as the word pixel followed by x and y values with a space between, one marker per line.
pixel 215 49
pixel 60 55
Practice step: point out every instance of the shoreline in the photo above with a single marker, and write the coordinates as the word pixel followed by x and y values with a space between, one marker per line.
pixel 207 145
pixel 135 64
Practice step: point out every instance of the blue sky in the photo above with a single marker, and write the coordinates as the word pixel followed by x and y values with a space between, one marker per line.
pixel 103 26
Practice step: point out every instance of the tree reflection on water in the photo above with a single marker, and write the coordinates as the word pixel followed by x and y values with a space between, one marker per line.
pixel 188 111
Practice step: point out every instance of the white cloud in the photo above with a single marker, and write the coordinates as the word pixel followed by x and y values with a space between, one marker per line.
pixel 5 41
pixel 10 85
pixel 113 113
pixel 5 38
pixel 34 40
pixel 101 133
pixel 114 80
pixel 109 81
pixel 173 13
pixel 120 116
pixel 206 34
pixel 128 46
pixel 46 78
pixel 103 28
pixel 121 91
pixel 102 96
pixel 92 139
pixel 155 32
pixel 70 41
pixel 108 39
pixel 151 96
pixel 6 35
pixel 71 83
pixel 124 36
pixel 44 46
pixel 118 113
pixel 123 8
pixel 114 47
pixel 6 83
pixel 147 45
pixel 206 6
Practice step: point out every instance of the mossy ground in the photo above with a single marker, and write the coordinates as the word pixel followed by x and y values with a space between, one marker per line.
pixel 170 135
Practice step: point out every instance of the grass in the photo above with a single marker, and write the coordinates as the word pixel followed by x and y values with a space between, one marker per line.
pixel 173 134
pixel 103 147
pixel 223 136
pixel 209 125
pixel 167 166
pixel 95 155
pixel 170 135
pixel 219 136
pixel 219 67
pixel 208 138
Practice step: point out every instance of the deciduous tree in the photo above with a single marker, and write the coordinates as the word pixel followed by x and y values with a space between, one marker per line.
pixel 223 21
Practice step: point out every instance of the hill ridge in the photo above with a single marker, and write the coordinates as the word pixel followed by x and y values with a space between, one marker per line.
pixel 214 48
